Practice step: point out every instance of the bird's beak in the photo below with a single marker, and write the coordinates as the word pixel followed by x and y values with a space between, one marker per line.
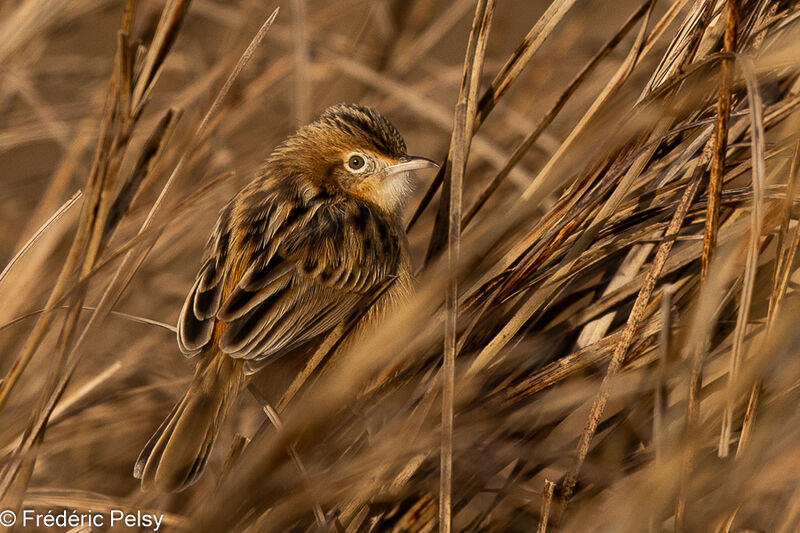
pixel 411 162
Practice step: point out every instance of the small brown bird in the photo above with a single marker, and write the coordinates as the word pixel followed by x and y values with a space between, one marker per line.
pixel 291 256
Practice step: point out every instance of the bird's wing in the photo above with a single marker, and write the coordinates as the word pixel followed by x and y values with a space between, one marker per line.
pixel 310 267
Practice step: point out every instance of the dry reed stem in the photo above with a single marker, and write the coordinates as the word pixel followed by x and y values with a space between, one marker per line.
pixel 456 176
pixel 717 171
pixel 39 232
pixel 547 500
pixel 721 138
pixel 660 388
pixel 759 181
pixel 465 113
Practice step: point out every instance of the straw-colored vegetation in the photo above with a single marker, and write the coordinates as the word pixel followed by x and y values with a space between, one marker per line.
pixel 608 344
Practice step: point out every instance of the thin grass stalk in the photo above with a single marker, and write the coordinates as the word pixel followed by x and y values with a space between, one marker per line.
pixel 709 239
pixel 311 365
pixel 776 303
pixel 236 450
pixel 787 258
pixel 759 181
pixel 660 387
pixel 717 173
pixel 167 30
pixel 697 357
pixel 451 321
pixel 127 316
pixel 780 262
pixel 61 211
pixel 660 391
pixel 682 49
pixel 465 112
pixel 721 139
pixel 547 500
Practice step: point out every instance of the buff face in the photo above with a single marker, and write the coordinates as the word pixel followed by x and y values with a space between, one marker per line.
pixel 354 150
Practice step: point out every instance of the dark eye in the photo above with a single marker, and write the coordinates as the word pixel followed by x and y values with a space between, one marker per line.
pixel 356 162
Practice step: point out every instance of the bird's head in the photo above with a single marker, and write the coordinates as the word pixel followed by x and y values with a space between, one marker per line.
pixel 351 149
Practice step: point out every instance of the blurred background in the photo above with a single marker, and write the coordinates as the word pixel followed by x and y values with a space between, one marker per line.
pixel 406 59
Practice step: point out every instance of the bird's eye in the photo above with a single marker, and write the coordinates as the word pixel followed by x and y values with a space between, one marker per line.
pixel 356 162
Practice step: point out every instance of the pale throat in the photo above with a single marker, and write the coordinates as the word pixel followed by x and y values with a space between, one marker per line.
pixel 389 192
pixel 395 189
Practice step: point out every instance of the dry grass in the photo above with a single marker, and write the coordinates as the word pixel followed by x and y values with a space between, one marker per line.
pixel 606 344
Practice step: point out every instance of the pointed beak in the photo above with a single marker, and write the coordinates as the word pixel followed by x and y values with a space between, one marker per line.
pixel 411 162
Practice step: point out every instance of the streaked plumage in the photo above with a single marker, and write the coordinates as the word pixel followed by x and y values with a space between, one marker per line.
pixel 291 256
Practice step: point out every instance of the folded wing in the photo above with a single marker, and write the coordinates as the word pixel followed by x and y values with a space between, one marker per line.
pixel 305 269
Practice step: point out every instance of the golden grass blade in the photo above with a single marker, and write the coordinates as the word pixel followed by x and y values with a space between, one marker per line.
pixel 36 236
pixel 167 30
pixel 459 147
pixel 465 114
pixel 781 262
pixel 681 50
pixel 759 181
pixel 721 137
pixel 126 316
pixel 660 401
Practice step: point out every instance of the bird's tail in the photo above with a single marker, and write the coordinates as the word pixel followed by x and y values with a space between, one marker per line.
pixel 175 456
